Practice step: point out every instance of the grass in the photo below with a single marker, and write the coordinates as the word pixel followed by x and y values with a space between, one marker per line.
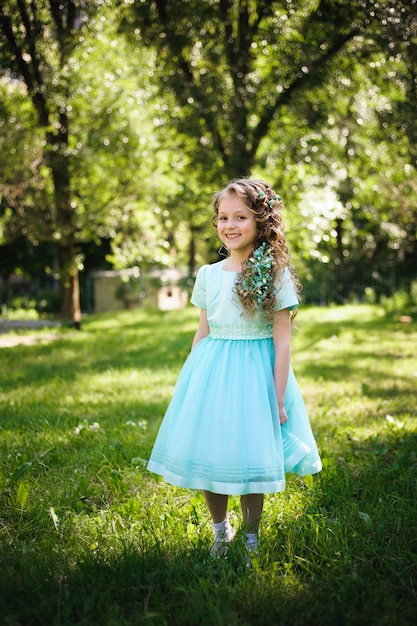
pixel 88 536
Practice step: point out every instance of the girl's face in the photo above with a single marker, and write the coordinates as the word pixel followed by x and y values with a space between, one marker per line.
pixel 236 225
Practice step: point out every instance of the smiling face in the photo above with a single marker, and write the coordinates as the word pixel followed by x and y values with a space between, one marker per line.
pixel 236 226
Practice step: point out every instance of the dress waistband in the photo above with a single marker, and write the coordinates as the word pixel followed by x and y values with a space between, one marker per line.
pixel 230 331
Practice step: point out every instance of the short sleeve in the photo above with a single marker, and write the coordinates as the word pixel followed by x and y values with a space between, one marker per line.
pixel 199 297
pixel 286 294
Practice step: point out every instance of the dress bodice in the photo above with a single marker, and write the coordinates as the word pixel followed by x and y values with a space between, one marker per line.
pixel 213 291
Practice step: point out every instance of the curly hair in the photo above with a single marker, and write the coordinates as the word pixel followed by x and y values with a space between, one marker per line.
pixel 266 207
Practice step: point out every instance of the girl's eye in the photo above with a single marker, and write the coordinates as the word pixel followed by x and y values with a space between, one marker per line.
pixel 224 218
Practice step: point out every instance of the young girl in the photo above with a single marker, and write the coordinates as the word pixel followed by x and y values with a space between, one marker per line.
pixel 237 421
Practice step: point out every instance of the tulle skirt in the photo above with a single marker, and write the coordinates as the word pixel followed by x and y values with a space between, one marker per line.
pixel 221 431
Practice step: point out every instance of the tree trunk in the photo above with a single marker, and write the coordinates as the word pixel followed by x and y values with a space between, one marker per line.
pixel 191 252
pixel 69 284
pixel 57 160
pixel 343 283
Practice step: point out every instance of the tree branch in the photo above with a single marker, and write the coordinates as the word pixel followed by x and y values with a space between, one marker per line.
pixel 302 78
pixel 56 9
pixel 196 93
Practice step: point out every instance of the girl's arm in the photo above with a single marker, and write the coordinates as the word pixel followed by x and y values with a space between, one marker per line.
pixel 202 329
pixel 282 339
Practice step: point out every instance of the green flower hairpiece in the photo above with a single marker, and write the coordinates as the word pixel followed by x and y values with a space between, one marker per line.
pixel 259 282
pixel 272 201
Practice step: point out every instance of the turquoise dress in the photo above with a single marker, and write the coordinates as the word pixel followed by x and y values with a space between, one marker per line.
pixel 221 431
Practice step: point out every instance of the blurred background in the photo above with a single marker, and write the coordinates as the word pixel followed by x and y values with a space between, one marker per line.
pixel 118 120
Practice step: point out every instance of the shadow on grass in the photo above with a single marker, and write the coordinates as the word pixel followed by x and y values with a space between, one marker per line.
pixel 165 585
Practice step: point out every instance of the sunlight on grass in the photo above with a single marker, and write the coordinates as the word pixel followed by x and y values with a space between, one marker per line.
pixel 83 521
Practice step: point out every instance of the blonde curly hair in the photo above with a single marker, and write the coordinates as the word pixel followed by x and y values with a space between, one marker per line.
pixel 266 207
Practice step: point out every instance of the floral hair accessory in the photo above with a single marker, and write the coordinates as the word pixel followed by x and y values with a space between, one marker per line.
pixel 274 199
pixel 261 194
pixel 260 280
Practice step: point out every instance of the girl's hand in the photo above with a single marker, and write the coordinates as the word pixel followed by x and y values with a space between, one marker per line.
pixel 283 417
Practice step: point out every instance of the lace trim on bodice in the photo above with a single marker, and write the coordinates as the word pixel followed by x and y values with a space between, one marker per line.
pixel 232 331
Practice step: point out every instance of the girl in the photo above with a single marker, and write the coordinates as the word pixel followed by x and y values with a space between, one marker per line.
pixel 237 421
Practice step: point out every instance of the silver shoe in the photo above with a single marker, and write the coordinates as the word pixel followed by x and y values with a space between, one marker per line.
pixel 221 544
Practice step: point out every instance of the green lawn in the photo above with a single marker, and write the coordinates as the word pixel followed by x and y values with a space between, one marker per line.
pixel 88 536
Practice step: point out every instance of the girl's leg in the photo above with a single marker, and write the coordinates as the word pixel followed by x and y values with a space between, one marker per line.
pixel 223 532
pixel 252 506
pixel 217 505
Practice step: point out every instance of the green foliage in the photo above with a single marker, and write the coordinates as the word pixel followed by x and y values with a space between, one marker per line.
pixel 353 221
pixel 88 536
pixel 166 101
pixel 306 96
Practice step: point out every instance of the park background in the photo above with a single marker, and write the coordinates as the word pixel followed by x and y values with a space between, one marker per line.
pixel 117 122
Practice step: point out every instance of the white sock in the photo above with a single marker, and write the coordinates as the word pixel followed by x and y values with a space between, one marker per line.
pixel 223 530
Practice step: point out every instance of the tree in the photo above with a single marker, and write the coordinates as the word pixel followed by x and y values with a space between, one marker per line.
pixel 235 67
pixel 109 140
pixel 74 126
pixel 250 81
pixel 37 41
pixel 360 145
